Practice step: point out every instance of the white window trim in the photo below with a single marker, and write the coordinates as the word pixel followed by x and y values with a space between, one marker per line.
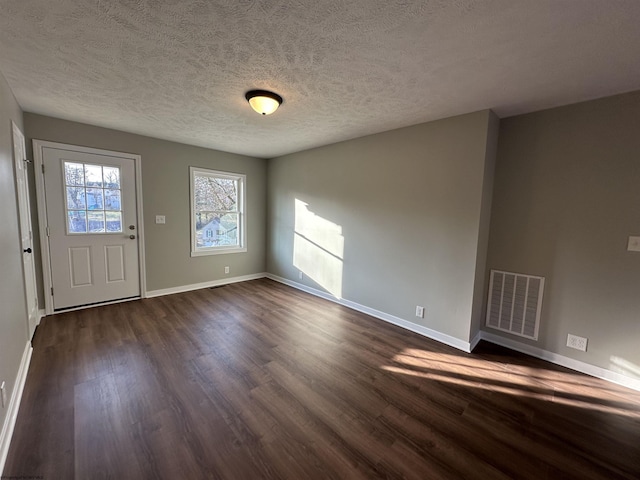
pixel 242 223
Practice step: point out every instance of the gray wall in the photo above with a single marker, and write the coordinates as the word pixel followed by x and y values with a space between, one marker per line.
pixel 165 186
pixel 566 197
pixel 391 220
pixel 13 319
pixel 480 289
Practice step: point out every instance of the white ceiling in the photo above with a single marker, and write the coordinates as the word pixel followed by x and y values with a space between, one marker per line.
pixel 178 69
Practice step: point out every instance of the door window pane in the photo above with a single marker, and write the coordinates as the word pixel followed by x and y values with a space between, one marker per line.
pixel 112 199
pixel 114 221
pixel 94 199
pixel 76 198
pixel 93 175
pixel 96 221
pixel 77 221
pixel 74 173
pixel 111 177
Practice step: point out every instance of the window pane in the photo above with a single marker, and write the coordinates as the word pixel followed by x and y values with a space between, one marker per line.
pixel 111 177
pixel 215 230
pixel 96 221
pixel 77 222
pixel 112 199
pixel 75 198
pixel 94 199
pixel 203 238
pixel 74 173
pixel 114 221
pixel 213 193
pixel 229 231
pixel 93 175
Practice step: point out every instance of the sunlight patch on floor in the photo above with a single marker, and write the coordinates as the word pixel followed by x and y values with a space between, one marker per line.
pixel 574 390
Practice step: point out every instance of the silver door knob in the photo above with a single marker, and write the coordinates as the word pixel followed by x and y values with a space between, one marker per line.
pixel 132 237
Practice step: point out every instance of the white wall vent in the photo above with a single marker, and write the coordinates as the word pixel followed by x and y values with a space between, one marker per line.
pixel 515 303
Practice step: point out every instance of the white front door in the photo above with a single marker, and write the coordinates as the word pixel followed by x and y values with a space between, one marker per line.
pixel 92 225
pixel 26 233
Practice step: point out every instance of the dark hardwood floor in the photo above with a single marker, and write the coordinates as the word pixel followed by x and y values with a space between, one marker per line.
pixel 259 381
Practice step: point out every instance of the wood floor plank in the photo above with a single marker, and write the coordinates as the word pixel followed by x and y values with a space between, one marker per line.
pixel 103 440
pixel 256 380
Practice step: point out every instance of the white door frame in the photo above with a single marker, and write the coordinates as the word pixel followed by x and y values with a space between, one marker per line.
pixel 38 146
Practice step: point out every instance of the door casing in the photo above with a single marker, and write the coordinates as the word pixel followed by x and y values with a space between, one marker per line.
pixel 38 146
pixel 26 229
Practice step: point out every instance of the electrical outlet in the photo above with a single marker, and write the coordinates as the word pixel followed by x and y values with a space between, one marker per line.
pixel 634 244
pixel 579 343
pixel 226 269
pixel 160 219
pixel 3 394
pixel 301 275
pixel 419 311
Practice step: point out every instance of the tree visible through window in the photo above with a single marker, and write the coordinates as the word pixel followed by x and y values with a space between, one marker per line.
pixel 217 216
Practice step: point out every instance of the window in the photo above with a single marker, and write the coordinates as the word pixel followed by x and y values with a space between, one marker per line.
pixel 93 196
pixel 217 212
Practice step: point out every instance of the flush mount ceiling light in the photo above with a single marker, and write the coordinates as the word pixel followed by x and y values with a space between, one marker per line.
pixel 263 102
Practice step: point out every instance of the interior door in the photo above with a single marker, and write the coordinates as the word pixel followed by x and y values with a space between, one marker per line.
pixel 92 226
pixel 26 232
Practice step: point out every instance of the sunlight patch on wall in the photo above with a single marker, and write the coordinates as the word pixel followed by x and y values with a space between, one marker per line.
pixel 318 249
pixel 625 367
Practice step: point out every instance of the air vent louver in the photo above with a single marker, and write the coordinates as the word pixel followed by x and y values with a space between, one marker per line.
pixel 515 302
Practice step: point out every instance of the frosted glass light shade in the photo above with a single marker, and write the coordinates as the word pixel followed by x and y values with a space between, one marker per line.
pixel 263 102
pixel 264 105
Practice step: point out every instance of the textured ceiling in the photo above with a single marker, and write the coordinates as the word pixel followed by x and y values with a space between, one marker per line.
pixel 178 69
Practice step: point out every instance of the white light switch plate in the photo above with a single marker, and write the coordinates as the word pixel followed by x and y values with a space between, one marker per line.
pixel 160 219
pixel 634 244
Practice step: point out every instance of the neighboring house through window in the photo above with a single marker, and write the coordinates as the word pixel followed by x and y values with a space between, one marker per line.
pixel 217 212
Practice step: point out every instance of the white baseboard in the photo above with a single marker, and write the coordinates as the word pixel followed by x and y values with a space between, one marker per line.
pixel 577 365
pixel 424 331
pixel 475 341
pixel 41 314
pixel 14 406
pixel 198 286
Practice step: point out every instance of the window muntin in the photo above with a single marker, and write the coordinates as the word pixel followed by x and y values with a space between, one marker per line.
pixel 217 212
pixel 93 198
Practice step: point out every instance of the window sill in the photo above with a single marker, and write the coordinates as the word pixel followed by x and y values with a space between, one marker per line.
pixel 218 251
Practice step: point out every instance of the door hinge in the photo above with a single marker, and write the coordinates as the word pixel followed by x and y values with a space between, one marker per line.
pixel 42 167
pixel 52 291
pixel 48 233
